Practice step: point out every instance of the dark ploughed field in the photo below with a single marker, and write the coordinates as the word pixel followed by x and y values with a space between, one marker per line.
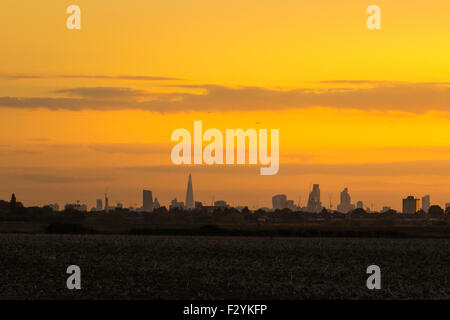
pixel 168 267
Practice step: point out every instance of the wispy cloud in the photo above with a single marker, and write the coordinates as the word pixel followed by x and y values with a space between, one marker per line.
pixel 104 92
pixel 14 76
pixel 405 97
pixel 43 175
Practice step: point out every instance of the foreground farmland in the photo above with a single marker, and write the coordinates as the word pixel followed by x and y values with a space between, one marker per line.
pixel 164 267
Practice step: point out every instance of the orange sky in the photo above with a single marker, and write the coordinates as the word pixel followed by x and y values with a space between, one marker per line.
pixel 90 110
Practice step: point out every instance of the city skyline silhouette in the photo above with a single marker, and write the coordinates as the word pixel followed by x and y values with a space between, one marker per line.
pixel 314 203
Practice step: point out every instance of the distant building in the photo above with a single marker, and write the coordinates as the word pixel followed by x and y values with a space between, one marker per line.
pixel 147 200
pixel 99 205
pixel 314 204
pixel 75 206
pixel 280 201
pixel 426 203
pixel 190 195
pixel 156 204
pixel 411 205
pixel 447 205
pixel 345 205
pixel 221 204
pixel 176 204
pixel 148 204
pixel 198 204
pixel 436 211
pixel 119 205
pixel 291 205
pixel 360 205
pixel 385 209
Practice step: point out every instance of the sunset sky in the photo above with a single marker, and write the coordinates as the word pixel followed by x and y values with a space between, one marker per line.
pixel 89 111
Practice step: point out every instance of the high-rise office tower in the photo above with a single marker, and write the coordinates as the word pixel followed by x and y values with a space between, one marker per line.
pixel 426 203
pixel 99 205
pixel 346 203
pixel 345 197
pixel 411 205
pixel 147 200
pixel 190 195
pixel 314 204
pixel 279 201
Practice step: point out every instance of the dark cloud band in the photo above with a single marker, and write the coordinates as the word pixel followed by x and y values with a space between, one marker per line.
pixel 405 97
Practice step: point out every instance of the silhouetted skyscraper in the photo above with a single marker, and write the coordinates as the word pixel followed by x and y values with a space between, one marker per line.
pixel 99 205
pixel 279 201
pixel 411 205
pixel 426 203
pixel 147 200
pixel 190 195
pixel 345 197
pixel 314 204
pixel 346 203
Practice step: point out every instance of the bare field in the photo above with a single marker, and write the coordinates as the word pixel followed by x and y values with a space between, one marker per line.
pixel 169 267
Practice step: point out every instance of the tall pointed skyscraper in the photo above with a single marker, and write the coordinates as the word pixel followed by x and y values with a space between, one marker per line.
pixel 190 195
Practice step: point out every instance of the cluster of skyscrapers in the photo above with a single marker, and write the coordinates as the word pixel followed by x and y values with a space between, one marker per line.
pixel 191 204
pixel 148 203
pixel 279 201
pixel 410 204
